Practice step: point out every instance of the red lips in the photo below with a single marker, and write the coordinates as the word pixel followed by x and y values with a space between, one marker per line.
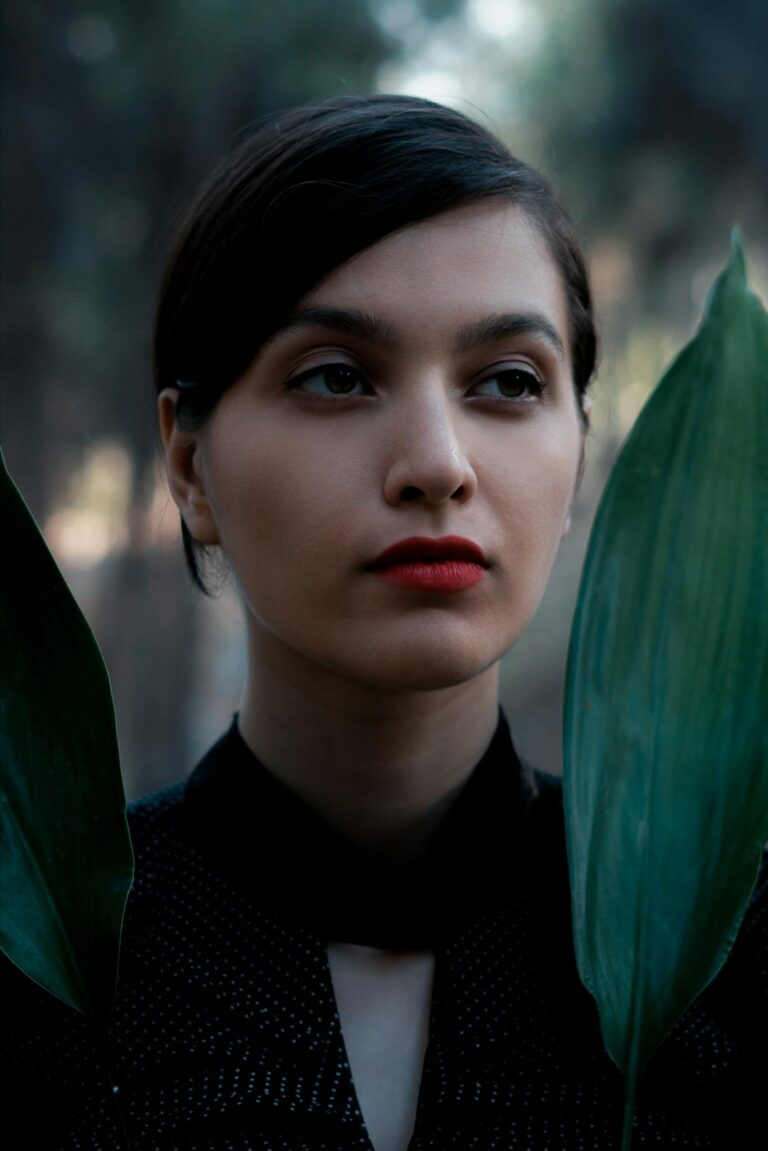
pixel 422 548
pixel 419 563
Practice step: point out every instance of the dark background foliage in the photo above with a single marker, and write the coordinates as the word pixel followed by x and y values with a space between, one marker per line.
pixel 649 117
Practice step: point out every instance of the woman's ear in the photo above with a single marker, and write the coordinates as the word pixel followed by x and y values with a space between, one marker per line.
pixel 182 450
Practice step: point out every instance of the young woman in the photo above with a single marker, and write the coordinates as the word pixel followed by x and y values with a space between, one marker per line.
pixel 350 926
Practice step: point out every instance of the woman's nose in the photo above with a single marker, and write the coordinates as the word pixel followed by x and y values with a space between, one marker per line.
pixel 429 461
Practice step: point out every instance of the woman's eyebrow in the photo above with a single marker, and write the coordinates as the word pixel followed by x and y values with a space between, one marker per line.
pixel 366 326
pixel 503 324
pixel 351 321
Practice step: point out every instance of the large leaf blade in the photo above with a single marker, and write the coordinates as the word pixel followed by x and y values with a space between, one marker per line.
pixel 65 856
pixel 666 722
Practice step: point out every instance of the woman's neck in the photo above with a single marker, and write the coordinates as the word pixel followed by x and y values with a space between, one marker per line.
pixel 382 768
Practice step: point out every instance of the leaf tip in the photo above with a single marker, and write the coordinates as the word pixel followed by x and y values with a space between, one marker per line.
pixel 732 281
pixel 737 266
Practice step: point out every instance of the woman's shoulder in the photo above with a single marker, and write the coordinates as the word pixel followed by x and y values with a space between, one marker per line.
pixel 148 810
pixel 546 787
pixel 545 813
pixel 156 824
pixel 752 939
pixel 170 865
pixel 156 813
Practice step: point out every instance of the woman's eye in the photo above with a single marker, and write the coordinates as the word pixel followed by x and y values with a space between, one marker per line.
pixel 511 384
pixel 330 380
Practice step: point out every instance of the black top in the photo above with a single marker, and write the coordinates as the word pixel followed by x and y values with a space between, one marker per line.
pixel 226 1031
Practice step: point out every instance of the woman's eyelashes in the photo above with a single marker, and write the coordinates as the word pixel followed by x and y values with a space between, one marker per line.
pixel 515 384
pixel 336 380
pixel 511 383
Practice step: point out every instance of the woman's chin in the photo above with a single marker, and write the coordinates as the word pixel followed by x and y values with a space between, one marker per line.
pixel 418 667
pixel 392 659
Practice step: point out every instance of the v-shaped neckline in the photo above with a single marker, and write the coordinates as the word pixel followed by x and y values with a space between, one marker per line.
pixel 274 849
pixel 409 1052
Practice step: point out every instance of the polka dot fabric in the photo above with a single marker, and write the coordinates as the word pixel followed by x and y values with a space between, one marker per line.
pixel 226 1035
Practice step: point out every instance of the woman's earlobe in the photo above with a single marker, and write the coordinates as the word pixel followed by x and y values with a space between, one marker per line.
pixel 566 526
pixel 185 482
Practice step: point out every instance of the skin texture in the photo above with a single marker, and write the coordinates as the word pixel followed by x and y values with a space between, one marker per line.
pixel 395 691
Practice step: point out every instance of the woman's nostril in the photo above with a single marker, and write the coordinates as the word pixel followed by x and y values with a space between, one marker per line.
pixel 410 493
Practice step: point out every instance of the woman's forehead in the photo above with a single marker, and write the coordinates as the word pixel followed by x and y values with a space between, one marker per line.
pixel 474 272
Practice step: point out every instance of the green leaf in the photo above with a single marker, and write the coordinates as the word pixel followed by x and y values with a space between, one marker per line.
pixel 666 728
pixel 66 863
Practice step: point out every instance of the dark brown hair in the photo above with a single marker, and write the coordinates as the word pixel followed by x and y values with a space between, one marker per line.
pixel 310 189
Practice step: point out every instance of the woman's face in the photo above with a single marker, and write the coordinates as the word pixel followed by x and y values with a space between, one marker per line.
pixel 423 389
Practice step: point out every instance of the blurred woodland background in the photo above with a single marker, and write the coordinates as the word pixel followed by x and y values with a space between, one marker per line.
pixel 650 117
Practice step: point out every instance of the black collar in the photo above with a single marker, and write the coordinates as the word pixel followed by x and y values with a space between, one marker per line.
pixel 274 845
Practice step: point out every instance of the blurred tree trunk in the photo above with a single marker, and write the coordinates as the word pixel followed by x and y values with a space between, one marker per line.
pixel 147 623
pixel 27 419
